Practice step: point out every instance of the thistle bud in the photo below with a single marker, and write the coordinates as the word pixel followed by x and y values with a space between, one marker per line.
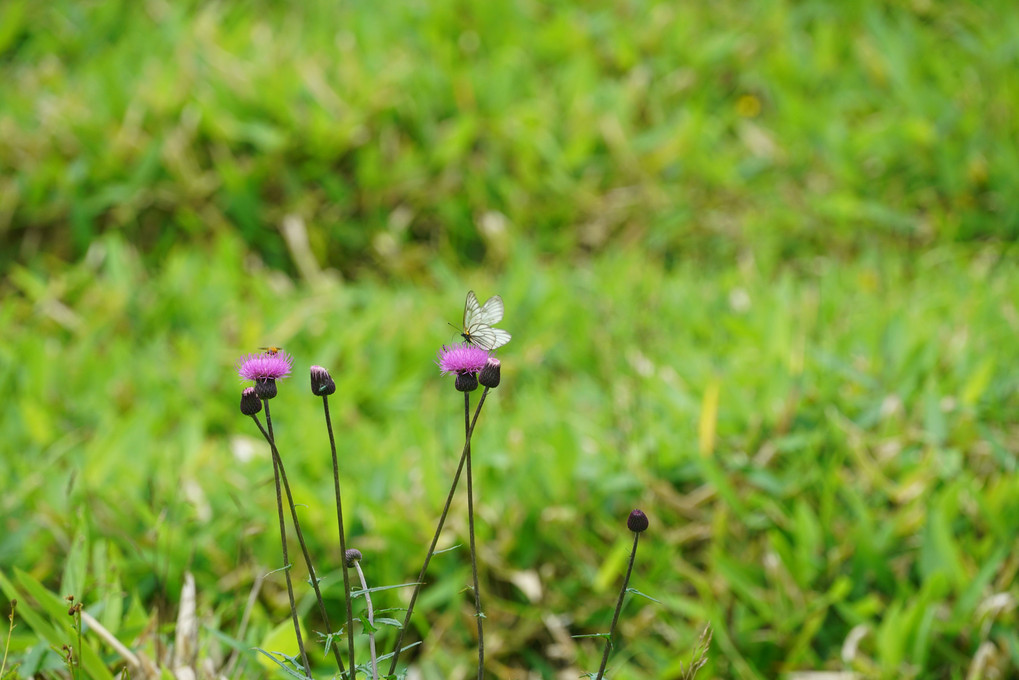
pixel 637 521
pixel 250 403
pixel 491 373
pixel 353 555
pixel 321 382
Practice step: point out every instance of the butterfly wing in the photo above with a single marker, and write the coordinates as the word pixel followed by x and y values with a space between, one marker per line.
pixel 491 311
pixel 498 338
pixel 478 320
pixel 487 314
pixel 472 310
pixel 488 338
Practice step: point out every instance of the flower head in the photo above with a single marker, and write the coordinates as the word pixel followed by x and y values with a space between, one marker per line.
pixel 491 374
pixel 250 403
pixel 461 358
pixel 321 382
pixel 265 366
pixel 637 521
pixel 353 555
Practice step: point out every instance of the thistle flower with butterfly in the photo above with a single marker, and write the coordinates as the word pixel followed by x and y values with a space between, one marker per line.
pixel 472 363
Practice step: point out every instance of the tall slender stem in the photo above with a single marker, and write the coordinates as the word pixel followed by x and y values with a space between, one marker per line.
pixel 278 461
pixel 343 541
pixel 619 607
pixel 10 631
pixel 435 538
pixel 474 553
pixel 283 538
pixel 371 621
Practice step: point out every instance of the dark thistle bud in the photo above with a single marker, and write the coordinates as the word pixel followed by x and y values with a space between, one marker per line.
pixel 322 383
pixel 265 388
pixel 466 382
pixel 250 403
pixel 353 555
pixel 637 521
pixel 491 373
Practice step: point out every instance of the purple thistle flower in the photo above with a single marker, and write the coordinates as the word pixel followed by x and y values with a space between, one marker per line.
pixel 265 366
pixel 462 358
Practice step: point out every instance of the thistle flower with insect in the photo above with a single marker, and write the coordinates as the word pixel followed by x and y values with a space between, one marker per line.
pixel 265 369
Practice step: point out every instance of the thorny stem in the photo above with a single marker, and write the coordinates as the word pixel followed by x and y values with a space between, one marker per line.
pixel 343 540
pixel 283 535
pixel 371 620
pixel 435 538
pixel 278 463
pixel 619 607
pixel 474 554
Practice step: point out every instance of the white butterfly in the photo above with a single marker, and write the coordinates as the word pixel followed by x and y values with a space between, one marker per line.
pixel 478 322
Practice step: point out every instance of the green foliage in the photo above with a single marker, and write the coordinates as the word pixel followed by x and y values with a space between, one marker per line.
pixel 854 481
pixel 49 619
pixel 757 263
pixel 394 130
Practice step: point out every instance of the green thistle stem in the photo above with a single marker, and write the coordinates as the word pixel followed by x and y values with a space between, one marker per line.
pixel 435 538
pixel 371 620
pixel 619 607
pixel 343 539
pixel 283 535
pixel 474 553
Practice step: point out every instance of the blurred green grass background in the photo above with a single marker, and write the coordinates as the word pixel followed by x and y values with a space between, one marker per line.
pixel 758 261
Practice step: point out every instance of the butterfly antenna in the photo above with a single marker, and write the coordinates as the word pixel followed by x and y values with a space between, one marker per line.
pixel 458 337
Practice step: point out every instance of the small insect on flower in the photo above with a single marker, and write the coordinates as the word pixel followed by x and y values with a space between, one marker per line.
pixel 478 321
pixel 271 349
